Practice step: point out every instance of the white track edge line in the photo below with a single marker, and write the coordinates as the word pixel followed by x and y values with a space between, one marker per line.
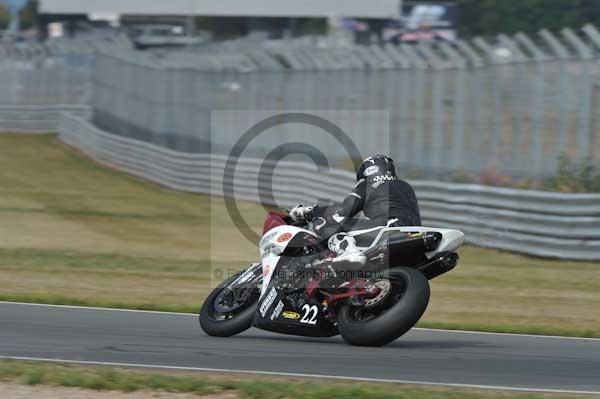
pixel 196 315
pixel 98 308
pixel 302 375
pixel 507 334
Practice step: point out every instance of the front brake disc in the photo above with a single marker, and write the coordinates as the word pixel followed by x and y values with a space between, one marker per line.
pixel 385 288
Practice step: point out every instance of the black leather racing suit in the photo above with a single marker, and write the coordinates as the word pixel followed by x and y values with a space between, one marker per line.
pixel 380 198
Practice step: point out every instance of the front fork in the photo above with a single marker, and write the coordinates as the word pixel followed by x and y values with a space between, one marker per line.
pixel 248 280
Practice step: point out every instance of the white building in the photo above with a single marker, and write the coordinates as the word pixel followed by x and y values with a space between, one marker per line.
pixel 251 14
pixel 221 8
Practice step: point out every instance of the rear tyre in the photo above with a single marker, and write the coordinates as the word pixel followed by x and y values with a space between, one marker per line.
pixel 399 313
pixel 224 324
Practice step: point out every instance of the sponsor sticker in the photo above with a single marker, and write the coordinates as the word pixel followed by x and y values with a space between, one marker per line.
pixel 371 170
pixel 277 311
pixel 267 237
pixel 269 299
pixel 284 237
pixel 379 180
pixel 266 270
pixel 291 315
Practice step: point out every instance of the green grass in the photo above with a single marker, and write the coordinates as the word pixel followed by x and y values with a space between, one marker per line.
pixel 125 380
pixel 529 329
pixel 73 232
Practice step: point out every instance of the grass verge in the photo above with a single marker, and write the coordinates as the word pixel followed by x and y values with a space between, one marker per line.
pixel 126 380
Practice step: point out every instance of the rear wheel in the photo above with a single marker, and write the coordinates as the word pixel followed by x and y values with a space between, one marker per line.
pixel 398 313
pixel 229 310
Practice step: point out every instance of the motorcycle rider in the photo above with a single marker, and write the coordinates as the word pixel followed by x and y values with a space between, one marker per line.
pixel 378 193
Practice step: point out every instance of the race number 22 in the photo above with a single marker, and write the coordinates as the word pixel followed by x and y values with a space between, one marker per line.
pixel 309 314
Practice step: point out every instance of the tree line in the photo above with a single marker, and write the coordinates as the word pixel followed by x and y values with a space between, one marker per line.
pixel 491 17
pixel 28 16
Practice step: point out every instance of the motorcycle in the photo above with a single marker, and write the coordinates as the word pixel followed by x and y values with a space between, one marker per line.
pixel 294 289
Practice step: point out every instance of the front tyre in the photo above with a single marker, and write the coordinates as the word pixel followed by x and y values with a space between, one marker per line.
pixel 221 316
pixel 399 313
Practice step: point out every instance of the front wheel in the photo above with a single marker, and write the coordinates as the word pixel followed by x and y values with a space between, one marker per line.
pixel 382 324
pixel 230 308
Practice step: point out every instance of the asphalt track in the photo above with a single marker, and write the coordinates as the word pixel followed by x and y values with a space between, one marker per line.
pixel 170 340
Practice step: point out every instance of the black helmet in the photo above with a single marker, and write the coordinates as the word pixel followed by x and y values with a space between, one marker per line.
pixel 378 165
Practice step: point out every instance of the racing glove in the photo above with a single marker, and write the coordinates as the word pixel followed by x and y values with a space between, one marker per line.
pixel 301 213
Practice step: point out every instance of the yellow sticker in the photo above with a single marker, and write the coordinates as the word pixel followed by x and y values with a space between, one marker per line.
pixel 291 315
pixel 415 235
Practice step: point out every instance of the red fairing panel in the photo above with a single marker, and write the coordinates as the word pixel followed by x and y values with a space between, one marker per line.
pixel 274 219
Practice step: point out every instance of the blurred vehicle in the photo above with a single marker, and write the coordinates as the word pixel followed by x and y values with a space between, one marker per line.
pixel 424 34
pixel 423 22
pixel 161 35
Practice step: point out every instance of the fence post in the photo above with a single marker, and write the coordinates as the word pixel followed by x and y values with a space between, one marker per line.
pixel 585 93
pixel 420 65
pixel 517 55
pixel 592 33
pixel 538 118
pixel 495 100
pixel 475 94
pixel 594 36
pixel 458 134
pixel 563 95
pixel 437 149
pixel 400 102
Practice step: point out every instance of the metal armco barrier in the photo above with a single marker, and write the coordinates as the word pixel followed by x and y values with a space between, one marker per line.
pixel 37 118
pixel 554 225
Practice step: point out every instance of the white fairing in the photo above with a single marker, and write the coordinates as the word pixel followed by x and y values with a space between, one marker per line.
pixel 451 239
pixel 274 242
pixel 272 245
